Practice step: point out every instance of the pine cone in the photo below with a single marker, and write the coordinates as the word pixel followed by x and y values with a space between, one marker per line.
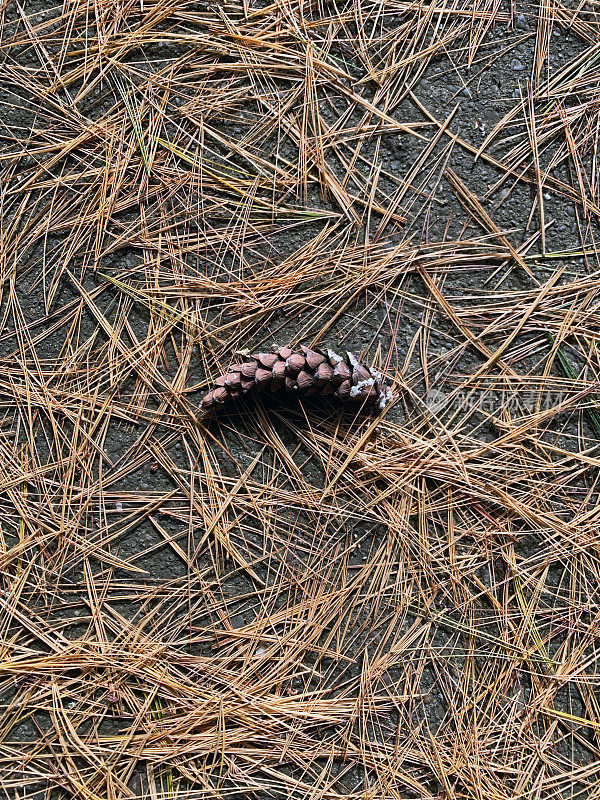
pixel 306 372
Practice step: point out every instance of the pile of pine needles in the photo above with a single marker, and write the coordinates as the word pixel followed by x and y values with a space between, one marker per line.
pixel 299 600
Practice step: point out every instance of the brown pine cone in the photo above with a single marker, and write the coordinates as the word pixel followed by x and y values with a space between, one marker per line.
pixel 304 371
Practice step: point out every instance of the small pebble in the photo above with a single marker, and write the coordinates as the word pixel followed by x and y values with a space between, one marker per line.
pixel 516 65
pixel 522 23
